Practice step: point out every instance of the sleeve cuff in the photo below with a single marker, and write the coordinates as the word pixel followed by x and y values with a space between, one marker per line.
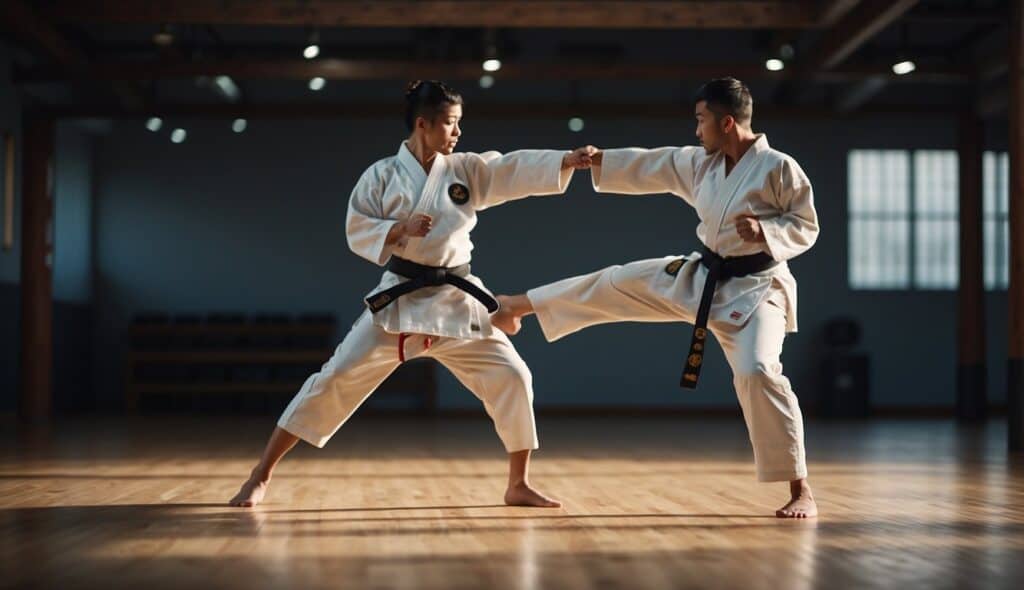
pixel 564 176
pixel 381 247
pixel 770 230
pixel 597 173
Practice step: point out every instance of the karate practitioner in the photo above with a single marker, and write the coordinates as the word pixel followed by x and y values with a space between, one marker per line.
pixel 413 212
pixel 756 212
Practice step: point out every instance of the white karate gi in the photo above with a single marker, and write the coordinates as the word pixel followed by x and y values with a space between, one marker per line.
pixel 458 325
pixel 749 315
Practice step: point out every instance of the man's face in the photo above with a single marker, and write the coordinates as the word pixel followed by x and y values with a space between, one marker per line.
pixel 710 129
pixel 442 134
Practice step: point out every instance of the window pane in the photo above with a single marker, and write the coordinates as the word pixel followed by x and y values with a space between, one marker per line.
pixel 996 203
pixel 879 217
pixel 936 183
pixel 879 254
pixel 1004 258
pixel 991 256
pixel 936 258
pixel 990 181
pixel 1004 184
pixel 878 181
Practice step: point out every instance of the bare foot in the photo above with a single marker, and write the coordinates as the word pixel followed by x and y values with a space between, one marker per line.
pixel 522 494
pixel 251 493
pixel 801 505
pixel 506 318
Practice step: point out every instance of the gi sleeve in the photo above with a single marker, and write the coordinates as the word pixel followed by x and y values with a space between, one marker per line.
pixel 794 231
pixel 638 171
pixel 495 178
pixel 366 227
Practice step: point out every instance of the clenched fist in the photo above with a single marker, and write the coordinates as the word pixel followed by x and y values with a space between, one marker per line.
pixel 749 228
pixel 580 158
pixel 418 225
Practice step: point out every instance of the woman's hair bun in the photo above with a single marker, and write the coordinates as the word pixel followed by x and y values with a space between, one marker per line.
pixel 412 87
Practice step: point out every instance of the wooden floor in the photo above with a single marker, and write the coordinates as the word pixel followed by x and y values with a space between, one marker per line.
pixel 407 503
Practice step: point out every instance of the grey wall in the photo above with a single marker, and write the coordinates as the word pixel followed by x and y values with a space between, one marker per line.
pixel 72 216
pixel 254 223
pixel 72 268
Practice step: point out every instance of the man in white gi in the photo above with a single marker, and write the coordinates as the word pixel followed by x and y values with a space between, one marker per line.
pixel 756 212
pixel 413 212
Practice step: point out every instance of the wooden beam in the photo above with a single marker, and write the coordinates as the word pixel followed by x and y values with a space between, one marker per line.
pixel 855 29
pixel 831 11
pixel 839 42
pixel 860 93
pixel 958 16
pixel 1015 297
pixel 25 23
pixel 929 74
pixel 371 69
pixel 876 78
pixel 972 399
pixel 36 364
pixel 599 14
pixel 377 109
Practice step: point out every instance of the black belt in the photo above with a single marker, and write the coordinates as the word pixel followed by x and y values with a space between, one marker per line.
pixel 719 269
pixel 421 276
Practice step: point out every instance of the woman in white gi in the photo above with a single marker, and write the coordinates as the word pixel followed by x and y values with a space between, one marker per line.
pixel 756 212
pixel 413 213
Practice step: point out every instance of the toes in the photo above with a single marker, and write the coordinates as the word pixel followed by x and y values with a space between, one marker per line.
pixel 787 513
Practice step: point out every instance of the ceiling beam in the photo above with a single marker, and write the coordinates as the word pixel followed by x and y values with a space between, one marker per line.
pixel 23 22
pixel 377 109
pixel 35 30
pixel 370 69
pixel 957 16
pixel 859 94
pixel 855 29
pixel 601 14
pixel 830 11
pixel 843 39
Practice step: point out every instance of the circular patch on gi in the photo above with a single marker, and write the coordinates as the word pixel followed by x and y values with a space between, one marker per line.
pixel 695 360
pixel 674 266
pixel 459 193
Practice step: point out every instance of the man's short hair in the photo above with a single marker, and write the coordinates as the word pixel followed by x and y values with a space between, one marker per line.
pixel 727 96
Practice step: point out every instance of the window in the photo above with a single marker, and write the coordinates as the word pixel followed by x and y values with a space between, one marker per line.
pixel 997 221
pixel 904 219
pixel 879 207
pixel 936 220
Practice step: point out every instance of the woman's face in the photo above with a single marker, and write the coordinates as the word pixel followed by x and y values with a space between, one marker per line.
pixel 442 134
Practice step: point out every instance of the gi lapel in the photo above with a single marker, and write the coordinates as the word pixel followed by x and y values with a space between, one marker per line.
pixel 427 201
pixel 731 186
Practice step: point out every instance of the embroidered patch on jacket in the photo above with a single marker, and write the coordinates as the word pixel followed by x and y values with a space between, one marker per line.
pixel 674 266
pixel 459 193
